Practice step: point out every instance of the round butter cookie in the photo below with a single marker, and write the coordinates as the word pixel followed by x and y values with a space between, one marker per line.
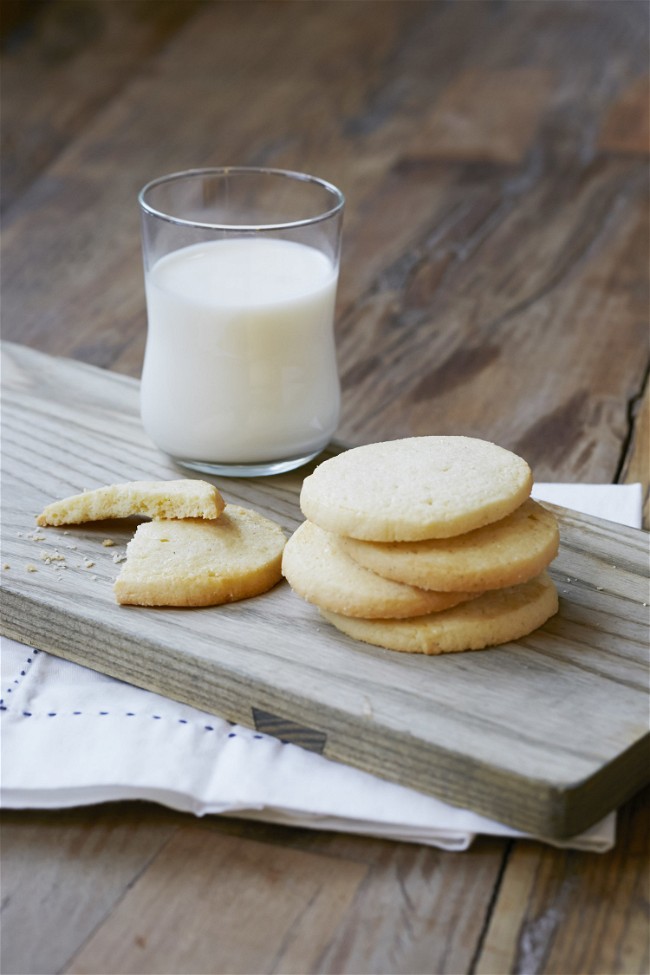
pixel 196 562
pixel 317 569
pixel 419 487
pixel 505 553
pixel 493 618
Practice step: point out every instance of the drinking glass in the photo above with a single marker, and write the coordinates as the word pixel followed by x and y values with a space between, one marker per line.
pixel 241 269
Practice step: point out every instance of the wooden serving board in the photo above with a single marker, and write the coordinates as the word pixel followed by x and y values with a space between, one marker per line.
pixel 547 734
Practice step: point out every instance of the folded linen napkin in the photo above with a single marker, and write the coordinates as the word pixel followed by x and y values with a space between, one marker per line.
pixel 71 737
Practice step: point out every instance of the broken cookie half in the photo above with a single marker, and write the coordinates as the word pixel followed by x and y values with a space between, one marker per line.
pixel 155 499
pixel 196 550
pixel 196 562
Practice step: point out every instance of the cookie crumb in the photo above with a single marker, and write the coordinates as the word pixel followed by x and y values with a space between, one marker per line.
pixel 6 565
pixel 108 543
pixel 88 564
pixel 51 557
pixel 30 567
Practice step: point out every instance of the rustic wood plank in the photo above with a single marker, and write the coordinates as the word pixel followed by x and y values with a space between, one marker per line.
pixel 50 81
pixel 425 352
pixel 418 909
pixel 216 903
pixel 74 423
pixel 489 116
pixel 560 911
pixel 395 70
pixel 402 917
pixel 51 899
pixel 411 896
pixel 636 463
pixel 406 916
pixel 626 127
pixel 228 60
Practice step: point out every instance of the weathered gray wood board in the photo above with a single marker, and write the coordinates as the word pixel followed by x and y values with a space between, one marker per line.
pixel 547 734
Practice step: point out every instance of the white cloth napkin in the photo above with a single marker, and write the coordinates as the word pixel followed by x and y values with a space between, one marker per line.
pixel 72 737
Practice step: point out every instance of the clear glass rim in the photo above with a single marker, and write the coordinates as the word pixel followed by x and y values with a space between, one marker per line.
pixel 242 171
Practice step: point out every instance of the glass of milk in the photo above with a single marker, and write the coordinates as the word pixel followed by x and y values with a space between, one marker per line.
pixel 241 267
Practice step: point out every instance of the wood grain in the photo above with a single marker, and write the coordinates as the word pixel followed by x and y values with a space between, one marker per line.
pixel 636 463
pixel 50 898
pixel 410 896
pixel 489 116
pixel 458 277
pixel 51 87
pixel 548 735
pixel 233 880
pixel 626 127
pixel 383 912
pixel 549 897
pixel 535 305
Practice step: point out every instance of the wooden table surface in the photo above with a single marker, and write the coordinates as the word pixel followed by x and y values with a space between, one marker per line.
pixel 494 157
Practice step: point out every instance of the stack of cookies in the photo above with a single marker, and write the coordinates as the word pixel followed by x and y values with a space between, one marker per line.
pixel 425 545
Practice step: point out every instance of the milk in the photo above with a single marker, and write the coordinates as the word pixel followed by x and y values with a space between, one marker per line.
pixel 240 361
